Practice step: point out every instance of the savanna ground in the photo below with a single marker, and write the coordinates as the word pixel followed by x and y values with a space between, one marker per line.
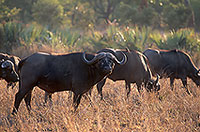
pixel 173 111
pixel 77 26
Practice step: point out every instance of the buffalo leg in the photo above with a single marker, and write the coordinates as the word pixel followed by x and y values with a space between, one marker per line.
pixel 76 100
pixel 184 82
pixel 24 89
pixel 128 88
pixel 13 85
pixel 8 85
pixel 69 95
pixel 18 98
pixel 100 86
pixel 28 101
pixel 139 88
pixel 88 94
pixel 48 96
pixel 171 83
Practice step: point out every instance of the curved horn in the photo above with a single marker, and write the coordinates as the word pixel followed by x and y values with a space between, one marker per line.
pixel 123 61
pixel 97 57
pixel 6 64
pixel 157 79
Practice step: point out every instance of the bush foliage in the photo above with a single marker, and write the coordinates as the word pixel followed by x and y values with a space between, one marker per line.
pixel 93 25
pixel 15 34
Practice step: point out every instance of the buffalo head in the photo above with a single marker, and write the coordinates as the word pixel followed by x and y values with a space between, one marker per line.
pixel 105 61
pixel 153 85
pixel 7 71
pixel 196 78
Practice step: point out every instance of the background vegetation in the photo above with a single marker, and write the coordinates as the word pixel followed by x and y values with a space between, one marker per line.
pixel 27 26
pixel 92 25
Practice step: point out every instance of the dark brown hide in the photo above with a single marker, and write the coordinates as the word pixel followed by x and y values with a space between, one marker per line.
pixel 76 72
pixel 136 70
pixel 173 64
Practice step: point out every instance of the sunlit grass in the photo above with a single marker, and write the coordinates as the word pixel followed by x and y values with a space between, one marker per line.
pixel 168 111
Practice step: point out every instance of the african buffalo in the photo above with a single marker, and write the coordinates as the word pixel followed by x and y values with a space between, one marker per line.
pixel 7 71
pixel 15 60
pixel 136 70
pixel 76 72
pixel 173 64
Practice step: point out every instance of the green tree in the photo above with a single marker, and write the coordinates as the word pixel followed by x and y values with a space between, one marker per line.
pixel 136 12
pixel 195 4
pixel 176 15
pixel 48 13
pixel 78 13
pixel 7 13
pixel 104 9
pixel 25 6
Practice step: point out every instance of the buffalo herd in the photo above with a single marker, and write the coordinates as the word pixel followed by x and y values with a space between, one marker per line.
pixel 78 72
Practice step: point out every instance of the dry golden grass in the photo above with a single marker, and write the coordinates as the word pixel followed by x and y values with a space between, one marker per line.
pixel 172 111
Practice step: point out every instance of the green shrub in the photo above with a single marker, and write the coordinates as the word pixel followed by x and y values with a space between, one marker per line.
pixel 176 16
pixel 48 13
pixel 196 8
pixel 181 39
pixel 132 38
pixel 10 35
pixel 15 34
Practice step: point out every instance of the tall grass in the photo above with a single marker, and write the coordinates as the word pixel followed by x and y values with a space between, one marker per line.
pixel 168 111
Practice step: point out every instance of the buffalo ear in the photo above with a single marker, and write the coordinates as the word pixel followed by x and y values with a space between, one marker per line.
pixel 2 63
